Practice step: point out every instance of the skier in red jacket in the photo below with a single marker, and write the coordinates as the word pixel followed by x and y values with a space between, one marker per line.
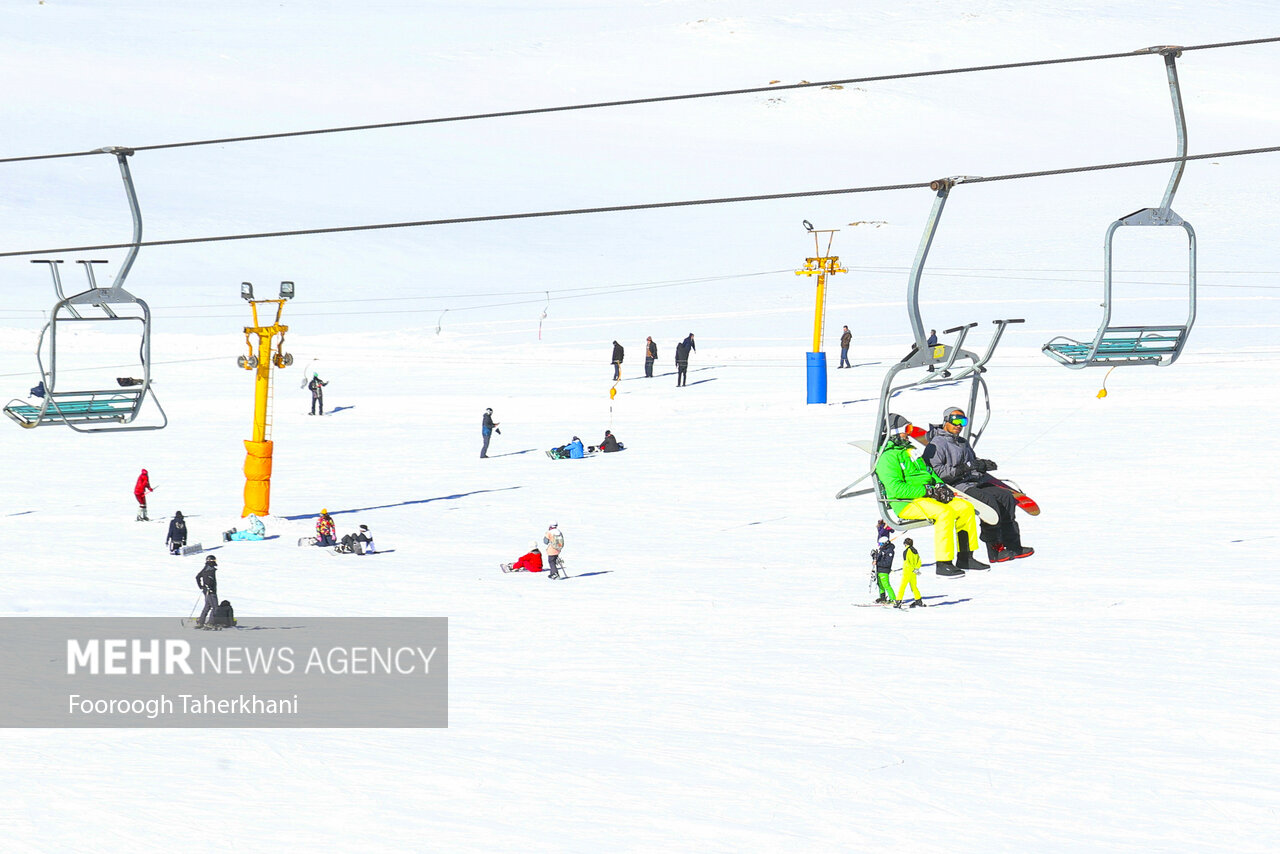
pixel 140 490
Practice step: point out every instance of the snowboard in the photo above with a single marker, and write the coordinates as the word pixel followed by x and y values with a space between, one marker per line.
pixel 1025 502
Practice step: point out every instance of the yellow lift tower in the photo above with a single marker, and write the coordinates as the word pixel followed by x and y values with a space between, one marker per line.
pixel 823 264
pixel 257 462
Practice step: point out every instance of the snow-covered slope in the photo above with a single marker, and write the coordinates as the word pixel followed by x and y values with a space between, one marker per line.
pixel 703 681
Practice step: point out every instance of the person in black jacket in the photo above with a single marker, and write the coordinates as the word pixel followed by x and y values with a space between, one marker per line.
pixel 177 534
pixel 610 443
pixel 650 356
pixel 883 557
pixel 617 361
pixel 317 393
pixel 682 363
pixel 207 581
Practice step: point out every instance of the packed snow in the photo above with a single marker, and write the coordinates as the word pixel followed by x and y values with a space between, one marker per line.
pixel 703 679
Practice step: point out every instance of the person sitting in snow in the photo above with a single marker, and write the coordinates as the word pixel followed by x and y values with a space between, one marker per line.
pixel 530 562
pixel 359 543
pixel 255 530
pixel 177 537
pixel 326 533
pixel 609 444
pixel 572 451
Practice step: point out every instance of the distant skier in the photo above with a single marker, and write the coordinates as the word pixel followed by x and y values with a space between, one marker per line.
pixel 910 568
pixel 177 537
pixel 617 361
pixel 140 490
pixel 487 427
pixel 326 533
pixel 933 338
pixel 883 557
pixel 688 344
pixel 207 581
pixel 554 542
pixel 846 338
pixel 650 356
pixel 317 393
pixel 682 363
pixel 915 492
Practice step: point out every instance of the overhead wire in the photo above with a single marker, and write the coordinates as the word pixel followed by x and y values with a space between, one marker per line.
pixel 657 99
pixel 644 206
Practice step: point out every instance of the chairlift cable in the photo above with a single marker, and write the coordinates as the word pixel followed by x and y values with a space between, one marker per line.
pixel 878 78
pixel 344 229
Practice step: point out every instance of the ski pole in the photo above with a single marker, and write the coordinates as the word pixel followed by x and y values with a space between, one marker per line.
pixel 193 607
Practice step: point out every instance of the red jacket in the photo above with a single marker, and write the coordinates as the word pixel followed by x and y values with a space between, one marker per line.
pixel 143 485
pixel 531 562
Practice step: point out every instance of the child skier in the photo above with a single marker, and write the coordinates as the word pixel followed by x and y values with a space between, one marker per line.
pixel 326 532
pixel 883 557
pixel 177 537
pixel 554 541
pixel 910 567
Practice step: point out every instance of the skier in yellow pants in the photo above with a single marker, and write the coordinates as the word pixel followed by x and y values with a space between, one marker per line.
pixel 910 565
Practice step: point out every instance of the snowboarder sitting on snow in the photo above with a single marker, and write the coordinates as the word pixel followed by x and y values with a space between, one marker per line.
pixel 207 581
pixel 255 531
pixel 571 451
pixel 357 544
pixel 530 562
pixel 910 566
pixel 177 537
pixel 914 491
pixel 326 533
pixel 952 456
pixel 883 557
pixel 609 444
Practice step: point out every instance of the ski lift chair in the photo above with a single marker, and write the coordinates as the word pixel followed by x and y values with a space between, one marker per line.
pixel 1114 346
pixel 937 365
pixel 94 410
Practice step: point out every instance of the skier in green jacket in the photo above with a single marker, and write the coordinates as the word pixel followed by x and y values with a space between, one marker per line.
pixel 915 492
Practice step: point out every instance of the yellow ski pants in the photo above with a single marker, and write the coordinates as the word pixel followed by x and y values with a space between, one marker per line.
pixel 956 515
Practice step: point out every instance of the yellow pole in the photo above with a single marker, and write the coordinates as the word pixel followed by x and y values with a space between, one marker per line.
pixel 818 312
pixel 258 450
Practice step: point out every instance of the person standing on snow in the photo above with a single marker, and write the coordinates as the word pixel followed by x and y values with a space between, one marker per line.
pixel 617 361
pixel 487 427
pixel 650 356
pixel 953 458
pixel 910 568
pixel 140 490
pixel 682 363
pixel 317 393
pixel 914 491
pixel 177 537
pixel 207 581
pixel 846 338
pixel 554 542
pixel 883 557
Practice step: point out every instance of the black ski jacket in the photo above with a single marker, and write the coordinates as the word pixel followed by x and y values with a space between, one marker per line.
pixel 617 352
pixel 207 580
pixel 177 531
pixel 652 350
pixel 884 557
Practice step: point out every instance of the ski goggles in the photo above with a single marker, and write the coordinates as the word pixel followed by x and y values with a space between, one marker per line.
pixel 957 420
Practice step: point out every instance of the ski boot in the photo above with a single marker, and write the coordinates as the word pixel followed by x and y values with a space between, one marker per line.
pixel 947 569
pixel 964 557
pixel 917 603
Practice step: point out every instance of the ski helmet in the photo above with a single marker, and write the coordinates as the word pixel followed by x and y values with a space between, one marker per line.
pixel 896 423
pixel 324 512
pixel 210 561
pixel 884 539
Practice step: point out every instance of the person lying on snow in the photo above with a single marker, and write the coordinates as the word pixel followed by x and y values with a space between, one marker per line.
pixel 255 530
pixel 531 562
